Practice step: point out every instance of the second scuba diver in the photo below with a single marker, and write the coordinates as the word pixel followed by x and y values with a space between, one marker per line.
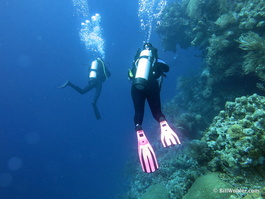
pixel 146 76
pixel 98 73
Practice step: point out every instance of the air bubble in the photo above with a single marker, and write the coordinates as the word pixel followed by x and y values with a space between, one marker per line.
pixel 14 163
pixel 149 12
pixel 91 31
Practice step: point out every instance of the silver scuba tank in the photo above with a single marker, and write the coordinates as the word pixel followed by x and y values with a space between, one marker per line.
pixel 144 65
pixel 93 69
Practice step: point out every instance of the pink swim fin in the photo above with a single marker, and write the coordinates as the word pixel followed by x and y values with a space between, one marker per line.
pixel 146 153
pixel 168 136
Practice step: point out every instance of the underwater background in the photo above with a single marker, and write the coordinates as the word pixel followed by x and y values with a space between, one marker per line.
pixel 51 144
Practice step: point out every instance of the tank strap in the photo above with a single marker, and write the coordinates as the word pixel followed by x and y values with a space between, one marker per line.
pixel 144 56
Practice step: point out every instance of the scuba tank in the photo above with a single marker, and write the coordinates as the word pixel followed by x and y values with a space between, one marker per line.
pixel 93 69
pixel 143 65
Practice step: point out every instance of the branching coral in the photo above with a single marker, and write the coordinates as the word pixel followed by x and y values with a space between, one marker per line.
pixel 217 44
pixel 251 41
pixel 255 58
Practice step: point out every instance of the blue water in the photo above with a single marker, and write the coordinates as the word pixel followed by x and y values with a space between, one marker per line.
pixel 51 145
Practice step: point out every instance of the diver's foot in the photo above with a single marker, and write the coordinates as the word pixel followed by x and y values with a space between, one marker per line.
pixel 97 114
pixel 64 85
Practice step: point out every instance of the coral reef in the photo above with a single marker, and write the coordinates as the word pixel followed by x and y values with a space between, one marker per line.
pixel 237 135
pixel 231 36
pixel 215 27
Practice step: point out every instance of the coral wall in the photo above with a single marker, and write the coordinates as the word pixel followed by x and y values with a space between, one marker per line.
pixel 231 37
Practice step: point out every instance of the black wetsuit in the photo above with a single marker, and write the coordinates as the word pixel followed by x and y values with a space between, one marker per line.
pixel 151 93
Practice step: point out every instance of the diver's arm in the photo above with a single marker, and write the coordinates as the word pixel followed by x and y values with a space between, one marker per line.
pixel 163 65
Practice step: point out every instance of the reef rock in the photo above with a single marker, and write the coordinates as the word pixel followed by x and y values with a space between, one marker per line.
pixel 209 186
pixel 237 135
pixel 157 191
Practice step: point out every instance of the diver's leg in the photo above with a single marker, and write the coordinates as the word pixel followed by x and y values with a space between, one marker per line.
pixel 146 152
pixel 138 98
pixel 98 88
pixel 154 101
pixel 80 90
pixel 168 136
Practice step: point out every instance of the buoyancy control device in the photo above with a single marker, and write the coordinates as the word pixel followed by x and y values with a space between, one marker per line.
pixel 143 67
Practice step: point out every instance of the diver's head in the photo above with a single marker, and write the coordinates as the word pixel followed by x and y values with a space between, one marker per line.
pixel 147 46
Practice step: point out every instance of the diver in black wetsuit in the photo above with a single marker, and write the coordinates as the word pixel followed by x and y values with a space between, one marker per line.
pixel 152 86
pixel 146 76
pixel 97 75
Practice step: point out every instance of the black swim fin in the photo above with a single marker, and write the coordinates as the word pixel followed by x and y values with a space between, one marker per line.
pixel 97 114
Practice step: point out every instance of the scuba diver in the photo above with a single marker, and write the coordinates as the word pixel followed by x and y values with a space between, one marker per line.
pixel 146 76
pixel 97 75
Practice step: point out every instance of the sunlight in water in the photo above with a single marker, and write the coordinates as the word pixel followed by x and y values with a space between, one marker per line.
pixel 91 31
pixel 149 12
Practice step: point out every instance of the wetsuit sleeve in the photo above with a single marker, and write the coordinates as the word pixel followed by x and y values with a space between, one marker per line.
pixel 164 67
